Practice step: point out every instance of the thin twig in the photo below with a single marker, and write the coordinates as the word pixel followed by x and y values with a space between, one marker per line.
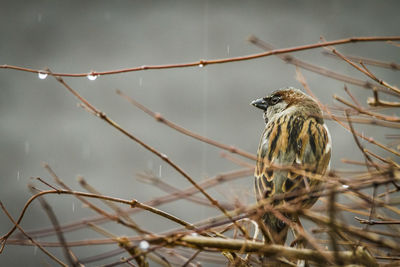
pixel 364 111
pixel 369 61
pixel 218 179
pixel 332 229
pixel 316 69
pixel 191 258
pixel 366 156
pixel 94 207
pixel 215 61
pixel 271 250
pixel 373 222
pixel 110 204
pixel 16 225
pixel 176 191
pixel 366 72
pixel 159 118
pixel 68 254
pixel 162 156
pixel 352 97
pixel 132 203
pixel 375 101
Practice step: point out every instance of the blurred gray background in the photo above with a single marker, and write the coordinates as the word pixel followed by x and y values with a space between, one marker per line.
pixel 40 121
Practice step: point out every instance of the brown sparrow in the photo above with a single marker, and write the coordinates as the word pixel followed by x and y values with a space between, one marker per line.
pixel 295 136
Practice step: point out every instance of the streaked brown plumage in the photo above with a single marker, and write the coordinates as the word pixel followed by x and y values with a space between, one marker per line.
pixel 295 136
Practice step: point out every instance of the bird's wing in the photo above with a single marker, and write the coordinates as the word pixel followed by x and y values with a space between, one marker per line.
pixel 273 149
pixel 291 141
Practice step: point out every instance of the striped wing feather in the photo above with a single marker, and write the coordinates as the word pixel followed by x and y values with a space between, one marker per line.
pixel 291 141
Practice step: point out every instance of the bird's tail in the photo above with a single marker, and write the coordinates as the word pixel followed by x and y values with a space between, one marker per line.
pixel 277 228
pixel 278 231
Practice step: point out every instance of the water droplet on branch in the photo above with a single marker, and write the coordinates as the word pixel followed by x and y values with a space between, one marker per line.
pixel 92 77
pixel 42 75
pixel 144 245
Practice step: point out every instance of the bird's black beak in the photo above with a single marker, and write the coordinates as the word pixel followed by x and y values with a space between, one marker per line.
pixel 260 103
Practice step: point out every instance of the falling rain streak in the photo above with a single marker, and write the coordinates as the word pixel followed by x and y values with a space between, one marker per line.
pixel 27 147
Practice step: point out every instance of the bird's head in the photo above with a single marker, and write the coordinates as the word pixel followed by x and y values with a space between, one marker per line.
pixel 285 101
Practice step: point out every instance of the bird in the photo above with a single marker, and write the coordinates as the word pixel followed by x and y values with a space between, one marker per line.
pixel 296 138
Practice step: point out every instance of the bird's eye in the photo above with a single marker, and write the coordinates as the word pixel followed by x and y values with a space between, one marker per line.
pixel 274 100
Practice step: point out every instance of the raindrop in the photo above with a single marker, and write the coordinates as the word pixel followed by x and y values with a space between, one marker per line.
pixel 345 186
pixel 27 147
pixel 140 81
pixel 201 65
pixel 39 17
pixel 228 48
pixel 35 249
pixel 18 175
pixel 159 171
pixel 92 77
pixel 42 75
pixel 73 207
pixel 194 234
pixel 144 245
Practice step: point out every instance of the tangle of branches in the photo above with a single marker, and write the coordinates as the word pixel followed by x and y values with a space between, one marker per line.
pixel 236 236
